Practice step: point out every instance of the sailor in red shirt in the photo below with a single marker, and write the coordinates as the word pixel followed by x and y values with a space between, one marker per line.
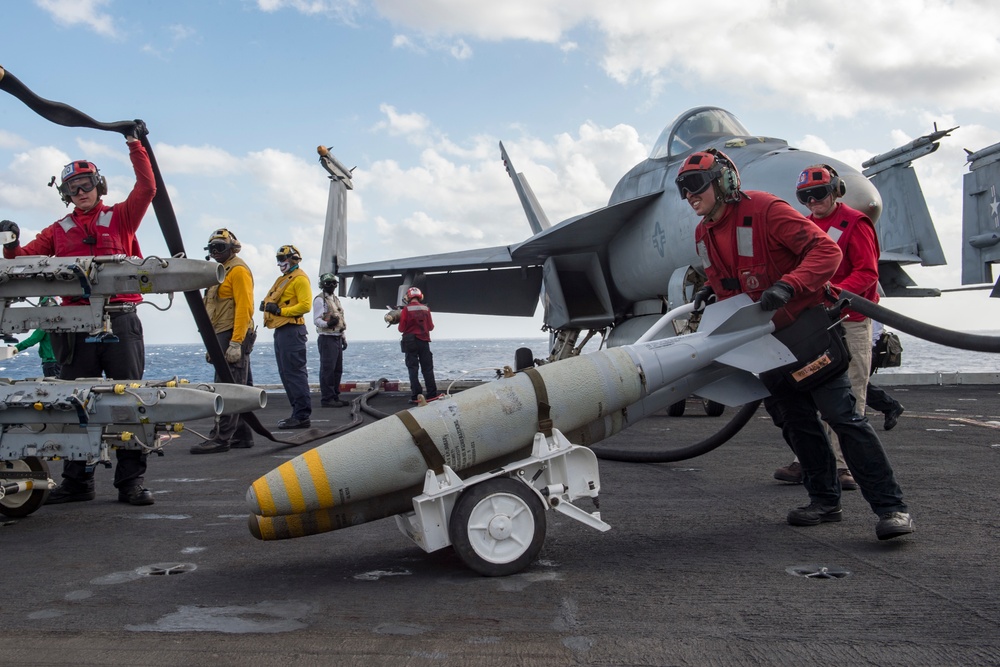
pixel 93 229
pixel 416 324
pixel 818 189
pixel 754 243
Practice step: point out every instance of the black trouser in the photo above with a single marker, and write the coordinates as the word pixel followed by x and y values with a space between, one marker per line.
pixel 331 366
pixel 234 428
pixel 124 360
pixel 879 399
pixel 419 357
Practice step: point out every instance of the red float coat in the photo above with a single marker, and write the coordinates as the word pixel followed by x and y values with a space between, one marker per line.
pixel 415 318
pixel 854 232
pixel 112 228
pixel 760 240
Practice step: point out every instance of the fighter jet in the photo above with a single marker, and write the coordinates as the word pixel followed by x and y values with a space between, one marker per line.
pixel 621 267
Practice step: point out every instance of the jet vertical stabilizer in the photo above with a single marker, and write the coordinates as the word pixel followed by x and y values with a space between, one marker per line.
pixel 906 232
pixel 536 216
pixel 980 219
pixel 334 249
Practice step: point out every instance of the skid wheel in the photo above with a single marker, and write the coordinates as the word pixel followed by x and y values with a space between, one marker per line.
pixel 713 409
pixel 497 527
pixel 24 503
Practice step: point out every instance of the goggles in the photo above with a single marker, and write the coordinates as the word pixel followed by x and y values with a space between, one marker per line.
pixel 282 258
pixel 695 182
pixel 217 247
pixel 817 192
pixel 73 187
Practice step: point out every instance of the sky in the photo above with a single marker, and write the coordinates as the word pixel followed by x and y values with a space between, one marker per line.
pixel 416 95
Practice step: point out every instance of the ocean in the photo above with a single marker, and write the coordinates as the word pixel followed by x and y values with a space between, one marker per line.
pixel 477 359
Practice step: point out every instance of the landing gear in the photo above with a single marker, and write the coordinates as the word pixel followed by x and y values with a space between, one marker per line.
pixel 497 527
pixel 18 502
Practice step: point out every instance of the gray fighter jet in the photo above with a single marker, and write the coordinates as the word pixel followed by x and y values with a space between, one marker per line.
pixel 620 267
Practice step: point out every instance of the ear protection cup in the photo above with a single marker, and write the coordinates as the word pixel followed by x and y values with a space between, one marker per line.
pixel 836 182
pixel 729 180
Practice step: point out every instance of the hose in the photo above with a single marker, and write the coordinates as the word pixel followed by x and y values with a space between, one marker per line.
pixel 732 427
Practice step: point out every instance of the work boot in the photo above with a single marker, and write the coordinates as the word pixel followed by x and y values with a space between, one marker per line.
pixel 335 403
pixel 892 416
pixel 241 444
pixel 893 524
pixel 814 514
pixel 847 482
pixel 210 447
pixel 291 422
pixel 791 473
pixel 69 494
pixel 135 495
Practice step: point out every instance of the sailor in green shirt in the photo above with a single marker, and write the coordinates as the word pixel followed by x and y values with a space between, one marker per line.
pixel 50 367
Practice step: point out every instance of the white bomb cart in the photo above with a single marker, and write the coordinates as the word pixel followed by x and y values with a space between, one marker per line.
pixel 496 520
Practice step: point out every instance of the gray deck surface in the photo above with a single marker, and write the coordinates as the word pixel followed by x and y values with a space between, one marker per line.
pixel 693 572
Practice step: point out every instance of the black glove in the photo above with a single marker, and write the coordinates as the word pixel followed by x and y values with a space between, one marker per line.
pixel 138 130
pixel 703 297
pixel 9 226
pixel 776 296
pixel 271 307
pixel 343 342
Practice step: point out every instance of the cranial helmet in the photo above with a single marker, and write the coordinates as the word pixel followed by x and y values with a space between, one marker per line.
pixel 821 175
pixel 702 168
pixel 288 252
pixel 414 293
pixel 81 168
pixel 328 279
pixel 224 236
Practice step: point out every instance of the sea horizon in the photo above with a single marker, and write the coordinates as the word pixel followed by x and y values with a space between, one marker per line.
pixel 456 359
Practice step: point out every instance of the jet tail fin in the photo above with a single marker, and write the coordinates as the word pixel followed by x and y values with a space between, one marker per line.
pixel 906 232
pixel 334 250
pixel 532 209
pixel 981 217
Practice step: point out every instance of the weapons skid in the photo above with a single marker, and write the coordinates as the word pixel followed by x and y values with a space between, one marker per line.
pixel 96 279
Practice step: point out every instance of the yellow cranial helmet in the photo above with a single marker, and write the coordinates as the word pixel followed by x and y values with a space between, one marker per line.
pixel 288 252
pixel 225 236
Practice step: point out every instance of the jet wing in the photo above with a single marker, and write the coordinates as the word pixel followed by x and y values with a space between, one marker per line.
pixel 502 280
pixel 583 232
pixel 485 281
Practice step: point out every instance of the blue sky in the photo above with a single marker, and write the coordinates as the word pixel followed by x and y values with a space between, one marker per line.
pixel 416 94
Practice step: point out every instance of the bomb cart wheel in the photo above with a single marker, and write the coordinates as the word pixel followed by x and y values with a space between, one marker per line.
pixel 713 409
pixel 24 503
pixel 497 527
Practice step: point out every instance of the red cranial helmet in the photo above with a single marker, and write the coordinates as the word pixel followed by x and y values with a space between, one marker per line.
pixel 414 293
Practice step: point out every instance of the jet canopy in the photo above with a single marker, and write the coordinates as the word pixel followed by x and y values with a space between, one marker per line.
pixel 695 128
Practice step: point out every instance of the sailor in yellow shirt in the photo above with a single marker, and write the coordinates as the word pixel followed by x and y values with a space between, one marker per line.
pixel 230 307
pixel 288 300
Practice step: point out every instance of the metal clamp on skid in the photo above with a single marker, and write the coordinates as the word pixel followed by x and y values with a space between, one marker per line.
pixel 496 520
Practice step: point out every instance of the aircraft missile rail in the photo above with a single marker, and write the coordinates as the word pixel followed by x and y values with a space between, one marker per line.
pixel 96 279
pixel 83 420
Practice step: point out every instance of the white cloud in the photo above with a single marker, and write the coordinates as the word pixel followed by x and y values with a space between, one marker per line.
pixel 344 10
pixel 830 60
pixel 203 160
pixel 81 12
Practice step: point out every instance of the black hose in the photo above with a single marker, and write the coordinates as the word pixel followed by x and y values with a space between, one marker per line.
pixel 922 330
pixel 739 420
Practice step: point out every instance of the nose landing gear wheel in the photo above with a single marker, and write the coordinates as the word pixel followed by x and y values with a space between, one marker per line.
pixel 497 527
pixel 22 504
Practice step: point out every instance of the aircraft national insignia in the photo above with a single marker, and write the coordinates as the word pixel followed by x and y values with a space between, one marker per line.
pixel 659 238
